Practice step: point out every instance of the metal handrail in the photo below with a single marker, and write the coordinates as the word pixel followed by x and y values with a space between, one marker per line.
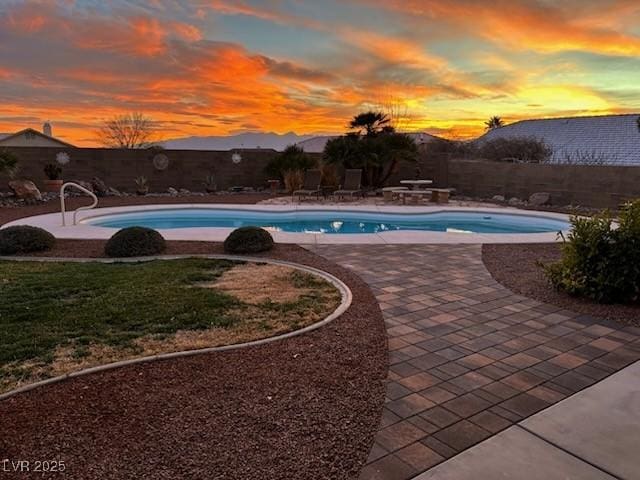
pixel 86 207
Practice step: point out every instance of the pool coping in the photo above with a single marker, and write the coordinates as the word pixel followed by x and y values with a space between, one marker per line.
pixel 345 302
pixel 52 223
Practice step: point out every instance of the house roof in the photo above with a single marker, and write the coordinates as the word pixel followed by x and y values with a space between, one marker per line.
pixel 605 139
pixel 317 144
pixel 6 136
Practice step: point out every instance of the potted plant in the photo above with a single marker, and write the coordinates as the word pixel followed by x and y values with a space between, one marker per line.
pixel 142 185
pixel 210 185
pixel 53 182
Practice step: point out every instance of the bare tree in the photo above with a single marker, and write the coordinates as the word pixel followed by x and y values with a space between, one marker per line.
pixel 131 130
pixel 396 109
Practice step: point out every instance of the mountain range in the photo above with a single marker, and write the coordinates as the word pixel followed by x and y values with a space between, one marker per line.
pixel 244 140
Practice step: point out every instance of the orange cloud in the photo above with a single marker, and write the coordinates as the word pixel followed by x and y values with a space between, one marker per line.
pixel 532 26
pixel 451 64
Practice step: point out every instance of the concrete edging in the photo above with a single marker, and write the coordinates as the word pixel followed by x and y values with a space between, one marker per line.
pixel 345 293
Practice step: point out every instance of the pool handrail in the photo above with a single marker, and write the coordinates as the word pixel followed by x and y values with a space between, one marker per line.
pixel 75 212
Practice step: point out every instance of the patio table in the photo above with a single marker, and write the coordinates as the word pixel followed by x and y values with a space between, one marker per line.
pixel 416 184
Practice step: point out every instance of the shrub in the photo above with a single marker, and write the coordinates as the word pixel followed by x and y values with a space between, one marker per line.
pixel 8 163
pixel 293 180
pixel 516 149
pixel 53 171
pixel 599 261
pixel 25 239
pixel 441 147
pixel 292 159
pixel 248 240
pixel 135 242
pixel 329 175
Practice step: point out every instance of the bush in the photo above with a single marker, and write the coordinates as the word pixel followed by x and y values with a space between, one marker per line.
pixel 292 158
pixel 53 171
pixel 599 261
pixel 248 240
pixel 293 180
pixel 441 147
pixel 8 163
pixel 25 239
pixel 516 149
pixel 135 242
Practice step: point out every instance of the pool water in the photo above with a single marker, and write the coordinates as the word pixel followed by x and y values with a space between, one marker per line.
pixel 331 221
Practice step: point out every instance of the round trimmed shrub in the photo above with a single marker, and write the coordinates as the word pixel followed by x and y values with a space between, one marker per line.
pixel 25 239
pixel 248 240
pixel 135 242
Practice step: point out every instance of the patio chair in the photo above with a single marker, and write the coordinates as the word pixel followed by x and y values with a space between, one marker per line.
pixel 352 184
pixel 311 185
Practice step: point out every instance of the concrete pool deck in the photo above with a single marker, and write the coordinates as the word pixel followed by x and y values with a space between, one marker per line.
pixel 52 222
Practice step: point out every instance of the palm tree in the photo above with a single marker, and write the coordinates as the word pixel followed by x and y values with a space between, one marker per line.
pixel 372 123
pixel 494 122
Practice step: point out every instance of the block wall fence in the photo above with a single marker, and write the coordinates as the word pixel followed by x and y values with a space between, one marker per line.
pixel 592 186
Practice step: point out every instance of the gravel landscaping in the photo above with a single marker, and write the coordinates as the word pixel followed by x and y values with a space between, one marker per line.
pixel 304 407
pixel 516 267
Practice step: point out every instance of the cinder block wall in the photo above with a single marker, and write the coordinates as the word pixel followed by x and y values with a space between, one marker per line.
pixel 118 168
pixel 592 186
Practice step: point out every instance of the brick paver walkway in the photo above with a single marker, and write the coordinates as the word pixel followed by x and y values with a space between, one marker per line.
pixel 468 357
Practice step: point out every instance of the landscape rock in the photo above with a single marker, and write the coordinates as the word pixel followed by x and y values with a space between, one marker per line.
pixel 498 198
pixel 25 190
pixel 84 184
pixel 114 192
pixel 515 201
pixel 540 198
pixel 172 191
pixel 184 191
pixel 99 187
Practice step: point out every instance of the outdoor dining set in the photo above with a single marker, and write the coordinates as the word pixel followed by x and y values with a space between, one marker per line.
pixel 413 191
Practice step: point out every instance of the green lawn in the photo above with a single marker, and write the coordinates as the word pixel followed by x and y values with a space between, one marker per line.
pixel 46 306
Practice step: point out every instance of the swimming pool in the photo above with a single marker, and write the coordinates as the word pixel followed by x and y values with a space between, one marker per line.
pixel 332 221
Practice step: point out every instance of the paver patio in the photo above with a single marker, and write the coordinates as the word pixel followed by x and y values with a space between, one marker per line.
pixel 468 358
pixel 558 444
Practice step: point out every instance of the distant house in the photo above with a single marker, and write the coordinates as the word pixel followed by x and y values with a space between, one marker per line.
pixel 317 144
pixel 605 140
pixel 32 138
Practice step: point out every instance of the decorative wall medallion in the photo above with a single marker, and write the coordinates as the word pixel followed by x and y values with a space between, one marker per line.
pixel 62 158
pixel 161 161
pixel 236 158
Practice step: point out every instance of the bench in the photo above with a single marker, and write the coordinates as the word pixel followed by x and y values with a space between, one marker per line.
pixel 437 195
pixel 440 195
pixel 391 193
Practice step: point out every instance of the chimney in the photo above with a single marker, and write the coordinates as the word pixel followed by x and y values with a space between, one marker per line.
pixel 46 129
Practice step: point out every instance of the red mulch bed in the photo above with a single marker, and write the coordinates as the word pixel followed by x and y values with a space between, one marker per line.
pixel 515 266
pixel 305 407
pixel 8 214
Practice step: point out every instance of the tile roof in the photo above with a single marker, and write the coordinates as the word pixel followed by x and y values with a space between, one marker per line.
pixel 607 139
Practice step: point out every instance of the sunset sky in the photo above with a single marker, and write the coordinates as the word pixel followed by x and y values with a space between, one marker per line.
pixel 217 67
